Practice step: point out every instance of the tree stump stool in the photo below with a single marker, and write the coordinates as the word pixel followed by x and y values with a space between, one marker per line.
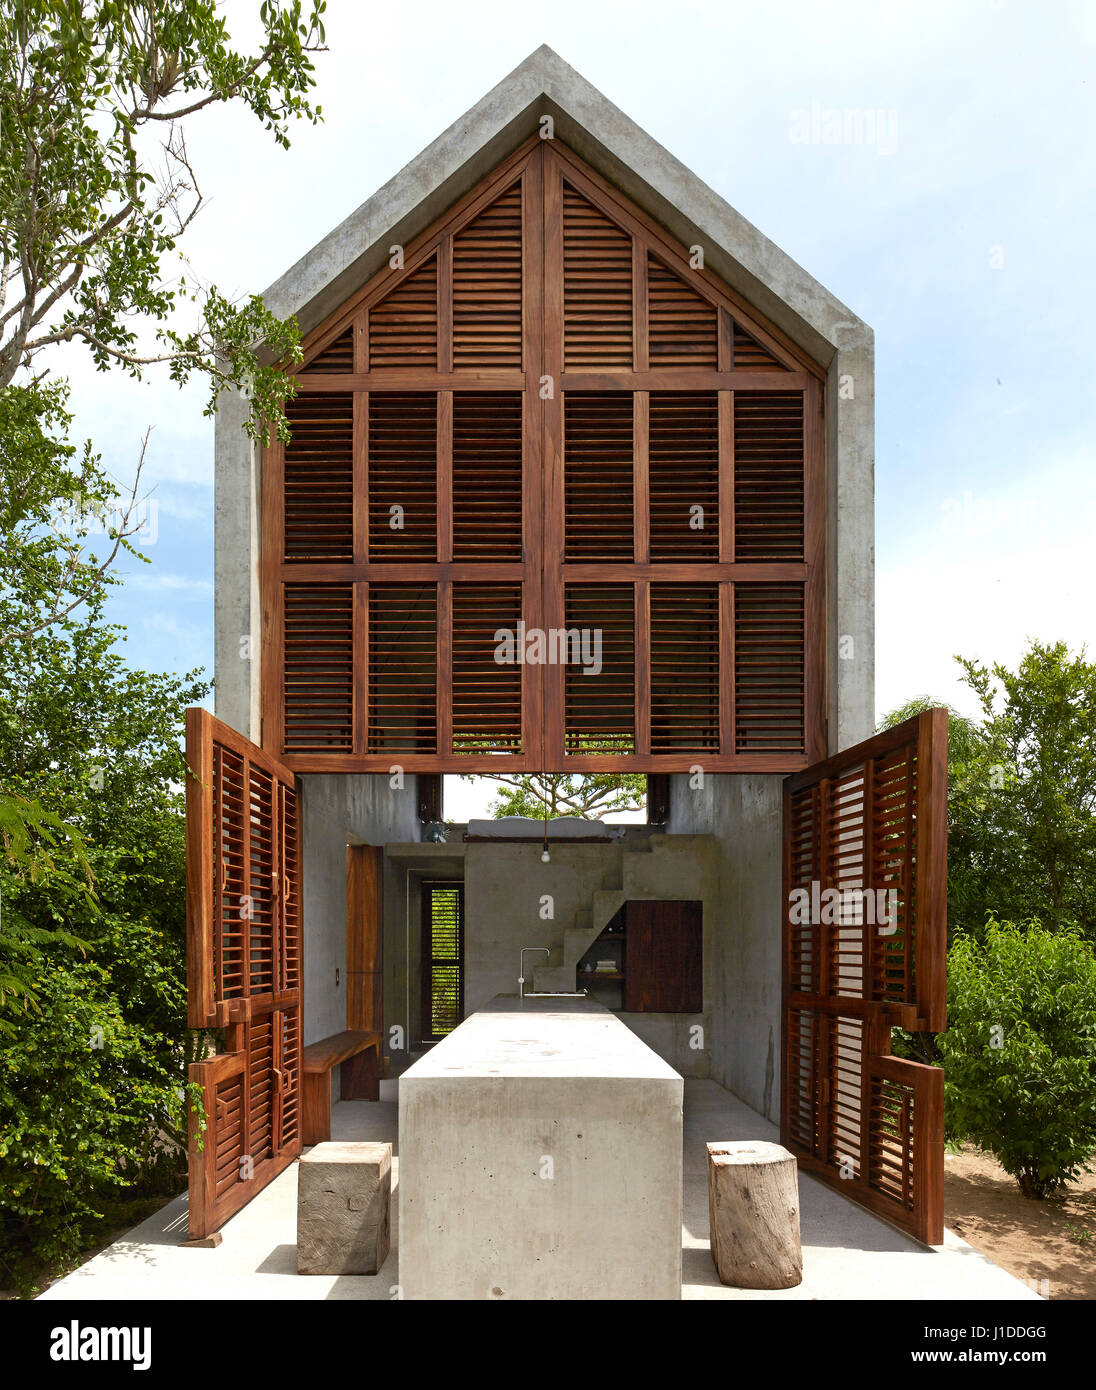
pixel 753 1208
pixel 344 1196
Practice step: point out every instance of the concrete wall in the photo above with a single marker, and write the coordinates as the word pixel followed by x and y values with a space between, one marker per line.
pixel 335 811
pixel 504 884
pixel 742 814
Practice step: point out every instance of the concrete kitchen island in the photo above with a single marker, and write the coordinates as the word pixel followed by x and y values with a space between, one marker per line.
pixel 540 1158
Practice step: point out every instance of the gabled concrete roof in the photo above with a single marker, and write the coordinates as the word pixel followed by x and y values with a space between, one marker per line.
pixel 621 152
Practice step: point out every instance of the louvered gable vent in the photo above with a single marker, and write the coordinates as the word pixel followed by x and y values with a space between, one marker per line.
pixel 683 324
pixel 403 327
pixel 487 287
pixel 597 287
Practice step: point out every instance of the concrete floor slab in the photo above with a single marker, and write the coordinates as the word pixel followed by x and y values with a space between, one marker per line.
pixel 847 1252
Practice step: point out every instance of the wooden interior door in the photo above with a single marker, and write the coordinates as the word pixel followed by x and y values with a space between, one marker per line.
pixel 365 937
pixel 663 956
pixel 857 963
pixel 243 967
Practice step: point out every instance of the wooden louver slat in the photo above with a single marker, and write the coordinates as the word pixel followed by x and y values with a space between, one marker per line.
pixel 486 692
pixel 597 287
pixel 769 668
pixel 683 469
pixel 319 481
pixel 597 482
pixel 768 475
pixel 318 691
pixel 487 476
pixel 487 291
pixel 599 706
pixel 683 324
pixel 402 668
pixel 751 356
pixel 403 327
pixel 684 668
pixel 403 475
pixel 335 359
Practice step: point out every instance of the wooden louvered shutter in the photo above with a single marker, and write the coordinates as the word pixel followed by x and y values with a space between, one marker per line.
pixel 243 966
pixel 864 945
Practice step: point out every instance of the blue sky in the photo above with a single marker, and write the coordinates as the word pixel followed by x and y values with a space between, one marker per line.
pixel 965 238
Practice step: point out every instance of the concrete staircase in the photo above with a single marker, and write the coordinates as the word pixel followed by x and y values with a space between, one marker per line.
pixel 558 973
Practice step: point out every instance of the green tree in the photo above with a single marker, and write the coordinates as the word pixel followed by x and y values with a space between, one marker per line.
pixel 97 188
pixel 92 1102
pixel 593 796
pixel 1020 1051
pixel 1022 793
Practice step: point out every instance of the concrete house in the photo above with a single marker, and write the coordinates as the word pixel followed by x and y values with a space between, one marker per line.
pixel 580 479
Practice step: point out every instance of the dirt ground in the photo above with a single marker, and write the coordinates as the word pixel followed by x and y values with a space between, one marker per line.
pixel 1053 1240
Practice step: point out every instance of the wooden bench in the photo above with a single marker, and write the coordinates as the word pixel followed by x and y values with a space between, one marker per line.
pixel 358 1054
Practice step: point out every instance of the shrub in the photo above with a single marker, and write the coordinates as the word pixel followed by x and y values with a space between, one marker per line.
pixel 1020 1051
pixel 84 1094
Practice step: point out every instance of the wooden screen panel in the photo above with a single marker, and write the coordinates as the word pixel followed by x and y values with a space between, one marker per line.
pixel 597 479
pixel 403 670
pixel 403 476
pixel 599 694
pixel 486 689
pixel 318 478
pixel 684 668
pixel 546 273
pixel 487 476
pixel 858 827
pixel 487 288
pixel 403 327
pixel 318 668
pixel 769 668
pixel 683 472
pixel 683 324
pixel 768 475
pixel 243 967
pixel 597 287
pixel 663 957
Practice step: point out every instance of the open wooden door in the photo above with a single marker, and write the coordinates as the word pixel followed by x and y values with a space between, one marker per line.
pixel 243 966
pixel 864 950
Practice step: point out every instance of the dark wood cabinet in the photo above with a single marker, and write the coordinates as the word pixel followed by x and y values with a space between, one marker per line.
pixel 663 948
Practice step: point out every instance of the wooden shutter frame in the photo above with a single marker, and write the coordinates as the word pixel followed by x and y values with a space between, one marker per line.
pixel 541 170
pixel 209 1207
pixel 924 737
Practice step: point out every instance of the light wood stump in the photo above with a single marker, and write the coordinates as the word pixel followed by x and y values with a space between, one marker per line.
pixel 753 1208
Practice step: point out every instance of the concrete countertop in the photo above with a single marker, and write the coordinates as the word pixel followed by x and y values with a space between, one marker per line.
pixel 512 1037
